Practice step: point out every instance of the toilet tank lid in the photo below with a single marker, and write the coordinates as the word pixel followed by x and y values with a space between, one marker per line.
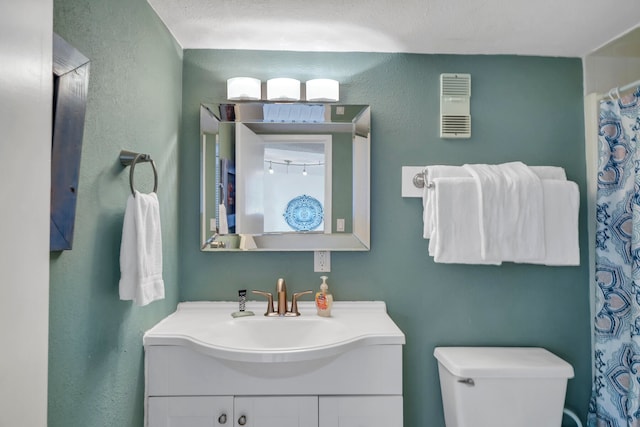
pixel 503 362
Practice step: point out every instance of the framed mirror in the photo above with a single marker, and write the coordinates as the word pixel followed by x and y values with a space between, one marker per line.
pixel 285 177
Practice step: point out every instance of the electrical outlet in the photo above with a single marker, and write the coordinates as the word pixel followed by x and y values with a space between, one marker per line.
pixel 321 261
pixel 340 225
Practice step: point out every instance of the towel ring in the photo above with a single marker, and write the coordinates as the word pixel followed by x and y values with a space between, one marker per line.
pixel 128 158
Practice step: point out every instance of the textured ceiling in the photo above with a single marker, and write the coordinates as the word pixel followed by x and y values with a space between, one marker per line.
pixel 571 28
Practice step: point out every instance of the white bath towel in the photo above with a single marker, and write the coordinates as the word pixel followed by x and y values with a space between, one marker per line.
pixel 446 171
pixel 456 236
pixel 510 200
pixel 549 172
pixel 457 240
pixel 561 208
pixel 432 173
pixel 141 250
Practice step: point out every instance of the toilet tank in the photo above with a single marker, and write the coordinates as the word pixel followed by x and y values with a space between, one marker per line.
pixel 502 386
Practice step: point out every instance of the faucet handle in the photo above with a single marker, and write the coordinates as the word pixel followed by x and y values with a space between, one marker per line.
pixel 270 311
pixel 294 303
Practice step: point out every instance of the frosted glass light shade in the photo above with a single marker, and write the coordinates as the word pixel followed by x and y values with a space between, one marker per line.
pixel 244 89
pixel 323 90
pixel 283 89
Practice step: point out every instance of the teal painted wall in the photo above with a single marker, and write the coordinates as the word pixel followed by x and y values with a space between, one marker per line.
pixel 523 108
pixel 96 375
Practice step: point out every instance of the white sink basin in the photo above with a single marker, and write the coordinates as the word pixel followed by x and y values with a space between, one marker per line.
pixel 209 328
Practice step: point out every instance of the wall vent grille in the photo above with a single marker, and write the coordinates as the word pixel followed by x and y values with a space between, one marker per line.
pixel 456 126
pixel 455 117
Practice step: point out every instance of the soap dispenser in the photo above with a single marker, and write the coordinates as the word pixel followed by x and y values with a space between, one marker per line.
pixel 324 300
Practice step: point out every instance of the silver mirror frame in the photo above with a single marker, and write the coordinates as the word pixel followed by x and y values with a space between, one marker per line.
pixel 357 122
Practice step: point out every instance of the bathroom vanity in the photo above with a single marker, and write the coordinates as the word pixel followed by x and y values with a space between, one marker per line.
pixel 206 368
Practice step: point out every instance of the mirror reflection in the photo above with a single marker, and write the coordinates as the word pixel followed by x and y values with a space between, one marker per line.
pixel 285 176
pixel 296 197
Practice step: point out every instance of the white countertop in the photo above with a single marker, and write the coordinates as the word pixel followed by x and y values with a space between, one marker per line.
pixel 208 327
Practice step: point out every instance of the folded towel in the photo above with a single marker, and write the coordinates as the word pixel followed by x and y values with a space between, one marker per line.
pixel 446 171
pixel 549 172
pixel 247 242
pixel 511 205
pixel 141 250
pixel 561 208
pixel 457 240
pixel 223 225
pixel 431 173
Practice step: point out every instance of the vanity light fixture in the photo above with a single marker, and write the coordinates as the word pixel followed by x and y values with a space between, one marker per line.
pixel 323 90
pixel 270 168
pixel 244 89
pixel 283 89
pixel 304 170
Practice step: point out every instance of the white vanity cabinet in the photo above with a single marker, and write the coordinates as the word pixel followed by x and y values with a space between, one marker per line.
pixel 355 383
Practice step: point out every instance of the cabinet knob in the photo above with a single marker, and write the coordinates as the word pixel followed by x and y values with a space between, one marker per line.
pixel 242 420
pixel 222 419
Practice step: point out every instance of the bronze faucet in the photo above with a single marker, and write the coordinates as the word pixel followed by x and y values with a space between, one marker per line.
pixel 281 293
pixel 281 290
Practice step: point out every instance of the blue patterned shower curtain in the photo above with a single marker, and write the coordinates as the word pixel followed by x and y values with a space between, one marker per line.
pixel 615 399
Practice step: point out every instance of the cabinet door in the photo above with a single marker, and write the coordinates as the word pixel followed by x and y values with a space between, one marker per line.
pixel 276 411
pixel 360 411
pixel 190 411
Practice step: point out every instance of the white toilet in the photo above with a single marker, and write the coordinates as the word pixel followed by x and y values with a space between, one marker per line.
pixel 502 386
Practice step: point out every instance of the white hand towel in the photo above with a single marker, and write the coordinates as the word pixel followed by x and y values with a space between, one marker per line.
pixel 456 237
pixel 141 251
pixel 511 219
pixel 446 171
pixel 223 226
pixel 247 242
